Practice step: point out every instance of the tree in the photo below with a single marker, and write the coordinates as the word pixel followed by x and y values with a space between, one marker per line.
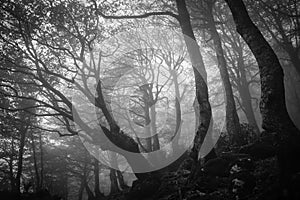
pixel 53 75
pixel 20 113
pixel 155 81
pixel 281 23
pixel 200 77
pixel 242 67
pixel 273 109
pixel 48 51
pixel 232 119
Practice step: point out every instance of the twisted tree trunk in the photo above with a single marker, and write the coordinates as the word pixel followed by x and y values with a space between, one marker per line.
pixel 273 108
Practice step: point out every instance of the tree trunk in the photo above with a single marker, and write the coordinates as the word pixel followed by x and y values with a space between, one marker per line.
pixel 295 60
pixel 177 132
pixel 114 188
pixel 147 125
pixel 273 108
pixel 42 160
pixel 157 157
pixel 245 95
pixel 152 141
pixel 271 72
pixel 11 172
pixel 89 191
pixel 97 191
pixel 123 144
pixel 81 188
pixel 232 119
pixel 155 140
pixel 121 180
pixel 200 77
pixel 65 181
pixel 23 132
pixel 36 170
pixel 248 108
pixel 114 165
pixel 293 96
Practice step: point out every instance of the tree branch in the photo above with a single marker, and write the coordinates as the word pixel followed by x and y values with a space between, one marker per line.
pixel 145 15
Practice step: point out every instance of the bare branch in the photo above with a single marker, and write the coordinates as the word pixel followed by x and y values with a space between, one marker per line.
pixel 145 15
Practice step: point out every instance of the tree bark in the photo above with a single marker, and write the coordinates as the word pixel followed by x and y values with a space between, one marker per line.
pixel 273 108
